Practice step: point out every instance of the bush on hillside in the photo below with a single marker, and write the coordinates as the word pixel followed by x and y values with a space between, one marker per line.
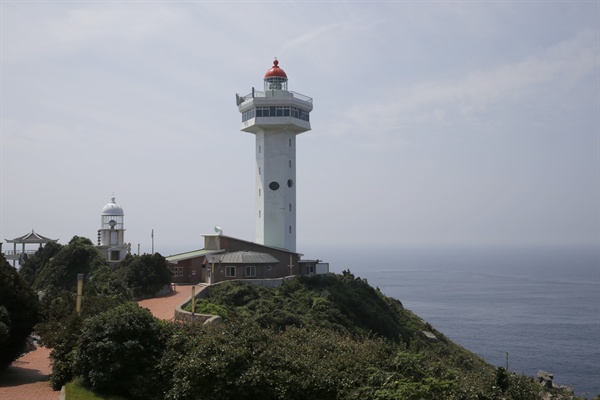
pixel 60 272
pixel 240 361
pixel 119 352
pixel 33 264
pixel 18 313
pixel 146 274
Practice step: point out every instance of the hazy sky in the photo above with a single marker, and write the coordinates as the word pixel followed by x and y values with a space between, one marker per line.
pixel 434 123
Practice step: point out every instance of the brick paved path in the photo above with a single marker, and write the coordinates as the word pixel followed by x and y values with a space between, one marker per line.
pixel 164 307
pixel 27 378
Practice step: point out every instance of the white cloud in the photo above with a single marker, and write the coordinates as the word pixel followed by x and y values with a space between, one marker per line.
pixel 468 99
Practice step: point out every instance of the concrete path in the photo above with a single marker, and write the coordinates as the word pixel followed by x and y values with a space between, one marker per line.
pixel 27 378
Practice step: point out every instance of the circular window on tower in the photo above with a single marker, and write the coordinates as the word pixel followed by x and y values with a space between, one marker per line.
pixel 290 183
pixel 273 185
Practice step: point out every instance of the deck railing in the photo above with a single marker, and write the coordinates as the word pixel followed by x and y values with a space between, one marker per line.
pixel 275 93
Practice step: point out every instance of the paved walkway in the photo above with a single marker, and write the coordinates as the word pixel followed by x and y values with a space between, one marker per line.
pixel 27 378
pixel 164 307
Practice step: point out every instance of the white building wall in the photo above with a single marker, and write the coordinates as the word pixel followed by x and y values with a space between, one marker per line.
pixel 276 188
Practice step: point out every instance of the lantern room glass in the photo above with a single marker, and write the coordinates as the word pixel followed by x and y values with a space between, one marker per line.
pixel 276 83
pixel 117 222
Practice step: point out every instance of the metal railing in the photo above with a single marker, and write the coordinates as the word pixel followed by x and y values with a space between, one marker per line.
pixel 274 93
pixel 17 252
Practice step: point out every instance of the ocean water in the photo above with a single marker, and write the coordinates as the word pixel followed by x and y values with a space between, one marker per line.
pixel 539 305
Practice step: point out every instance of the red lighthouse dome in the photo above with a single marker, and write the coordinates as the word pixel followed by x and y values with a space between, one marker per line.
pixel 275 71
pixel 275 78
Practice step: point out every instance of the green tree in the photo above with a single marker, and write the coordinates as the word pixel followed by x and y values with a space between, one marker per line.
pixel 18 313
pixel 119 351
pixel 79 256
pixel 146 274
pixel 33 264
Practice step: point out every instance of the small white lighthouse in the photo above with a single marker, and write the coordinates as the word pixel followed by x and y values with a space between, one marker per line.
pixel 111 235
pixel 275 116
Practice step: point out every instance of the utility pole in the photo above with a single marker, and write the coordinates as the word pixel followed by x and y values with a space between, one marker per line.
pixel 79 292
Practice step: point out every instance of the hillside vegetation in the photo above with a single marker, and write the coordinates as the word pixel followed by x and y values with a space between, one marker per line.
pixel 321 337
pixel 331 337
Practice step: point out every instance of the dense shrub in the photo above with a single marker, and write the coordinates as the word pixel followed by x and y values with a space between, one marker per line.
pixel 341 303
pixel 119 352
pixel 146 274
pixel 18 313
pixel 33 264
pixel 241 360
pixel 60 272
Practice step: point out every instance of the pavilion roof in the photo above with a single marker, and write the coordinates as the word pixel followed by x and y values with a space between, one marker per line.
pixel 31 237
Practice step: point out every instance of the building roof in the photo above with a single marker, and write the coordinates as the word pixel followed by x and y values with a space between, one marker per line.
pixel 112 208
pixel 191 254
pixel 252 243
pixel 275 71
pixel 31 237
pixel 247 257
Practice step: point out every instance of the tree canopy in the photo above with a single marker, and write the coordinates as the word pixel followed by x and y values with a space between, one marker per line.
pixel 59 269
pixel 18 313
pixel 146 274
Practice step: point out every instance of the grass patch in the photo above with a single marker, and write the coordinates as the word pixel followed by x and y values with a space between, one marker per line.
pixel 74 391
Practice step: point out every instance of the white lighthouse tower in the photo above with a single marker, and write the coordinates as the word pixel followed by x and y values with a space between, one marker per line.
pixel 275 116
pixel 111 235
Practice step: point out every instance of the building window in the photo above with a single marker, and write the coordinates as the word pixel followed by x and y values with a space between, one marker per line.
pixel 259 192
pixel 230 272
pixel 250 271
pixel 290 142
pixel 178 271
pixel 310 269
pixel 114 255
pixel 259 148
pixel 290 163
pixel 290 206
pixel 273 185
pixel 259 214
pixel 290 229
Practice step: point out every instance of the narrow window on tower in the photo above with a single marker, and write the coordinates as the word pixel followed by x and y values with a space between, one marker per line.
pixel 290 206
pixel 290 142
pixel 290 163
pixel 258 213
pixel 290 229
pixel 259 193
pixel 259 148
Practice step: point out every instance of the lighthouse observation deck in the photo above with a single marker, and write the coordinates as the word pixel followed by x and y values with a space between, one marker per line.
pixel 275 108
